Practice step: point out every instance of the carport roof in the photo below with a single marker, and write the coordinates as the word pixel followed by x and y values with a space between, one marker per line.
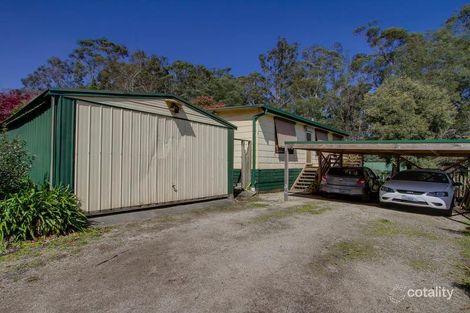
pixel 453 148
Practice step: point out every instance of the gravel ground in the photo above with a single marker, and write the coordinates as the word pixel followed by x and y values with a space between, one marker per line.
pixel 265 255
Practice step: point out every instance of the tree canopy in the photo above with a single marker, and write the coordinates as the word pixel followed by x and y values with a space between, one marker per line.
pixel 409 85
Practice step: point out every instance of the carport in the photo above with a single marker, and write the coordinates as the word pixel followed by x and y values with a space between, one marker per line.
pixel 458 150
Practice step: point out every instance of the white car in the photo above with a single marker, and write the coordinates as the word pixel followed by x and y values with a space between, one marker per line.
pixel 421 188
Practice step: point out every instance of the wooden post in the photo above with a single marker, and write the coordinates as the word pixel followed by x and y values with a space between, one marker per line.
pixel 286 173
pixel 396 169
pixel 320 167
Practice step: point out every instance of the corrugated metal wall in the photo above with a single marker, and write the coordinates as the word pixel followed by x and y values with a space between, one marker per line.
pixel 35 130
pixel 64 129
pixel 126 158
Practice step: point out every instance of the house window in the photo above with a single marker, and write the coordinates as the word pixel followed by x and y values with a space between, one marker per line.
pixel 321 135
pixel 285 131
pixel 337 137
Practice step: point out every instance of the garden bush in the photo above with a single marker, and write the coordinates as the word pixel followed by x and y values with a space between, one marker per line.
pixel 15 164
pixel 40 211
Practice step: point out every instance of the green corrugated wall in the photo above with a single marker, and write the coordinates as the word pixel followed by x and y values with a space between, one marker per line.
pixel 35 130
pixel 273 179
pixel 64 142
pixel 236 176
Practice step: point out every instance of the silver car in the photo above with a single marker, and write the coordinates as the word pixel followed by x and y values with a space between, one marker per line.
pixel 422 188
pixel 352 181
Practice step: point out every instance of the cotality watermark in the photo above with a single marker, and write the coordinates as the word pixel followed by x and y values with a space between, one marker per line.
pixel 399 293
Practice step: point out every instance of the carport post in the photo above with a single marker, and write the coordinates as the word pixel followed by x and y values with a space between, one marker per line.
pixel 286 173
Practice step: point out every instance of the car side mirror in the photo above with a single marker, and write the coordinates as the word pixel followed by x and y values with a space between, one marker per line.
pixel 457 184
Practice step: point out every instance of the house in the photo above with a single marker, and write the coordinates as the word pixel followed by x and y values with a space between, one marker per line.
pixel 120 151
pixel 259 144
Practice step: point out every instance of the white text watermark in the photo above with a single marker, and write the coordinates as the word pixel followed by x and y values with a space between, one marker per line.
pixel 399 293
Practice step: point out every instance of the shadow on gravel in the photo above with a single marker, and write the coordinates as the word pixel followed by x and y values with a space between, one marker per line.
pixel 375 203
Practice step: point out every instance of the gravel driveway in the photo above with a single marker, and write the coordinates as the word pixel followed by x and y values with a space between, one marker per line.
pixel 264 255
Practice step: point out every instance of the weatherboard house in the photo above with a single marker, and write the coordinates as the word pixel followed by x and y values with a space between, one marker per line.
pixel 260 141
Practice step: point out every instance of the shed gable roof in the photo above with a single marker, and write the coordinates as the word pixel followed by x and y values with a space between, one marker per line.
pixel 76 93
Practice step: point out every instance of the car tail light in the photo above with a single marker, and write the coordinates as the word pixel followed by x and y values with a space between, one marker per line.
pixel 323 179
pixel 361 181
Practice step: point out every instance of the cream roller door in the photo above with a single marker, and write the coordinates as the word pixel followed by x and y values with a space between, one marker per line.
pixel 126 158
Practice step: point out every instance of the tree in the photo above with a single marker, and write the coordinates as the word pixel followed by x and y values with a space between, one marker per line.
pixel 142 72
pixel 11 100
pixel 80 70
pixel 189 80
pixel 254 89
pixel 92 56
pixel 315 80
pixel 385 42
pixel 56 73
pixel 345 109
pixel 278 66
pixel 207 102
pixel 403 108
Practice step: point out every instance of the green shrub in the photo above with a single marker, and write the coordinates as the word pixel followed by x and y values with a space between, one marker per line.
pixel 38 212
pixel 15 164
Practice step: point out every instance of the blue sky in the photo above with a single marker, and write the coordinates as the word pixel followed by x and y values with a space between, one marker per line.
pixel 214 33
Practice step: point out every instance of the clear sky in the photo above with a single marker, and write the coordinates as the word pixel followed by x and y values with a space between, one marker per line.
pixel 213 33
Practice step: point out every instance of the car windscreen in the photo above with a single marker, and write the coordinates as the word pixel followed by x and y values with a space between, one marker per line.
pixel 430 177
pixel 346 172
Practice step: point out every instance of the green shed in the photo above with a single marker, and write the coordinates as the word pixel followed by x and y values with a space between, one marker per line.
pixel 120 151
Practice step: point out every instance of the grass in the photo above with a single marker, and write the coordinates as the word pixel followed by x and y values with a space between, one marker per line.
pixel 352 250
pixel 218 209
pixel 384 227
pixel 169 219
pixel 57 244
pixel 283 213
pixel 231 207
pixel 256 204
pixel 422 265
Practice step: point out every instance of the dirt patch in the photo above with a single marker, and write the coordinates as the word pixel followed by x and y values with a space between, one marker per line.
pixel 309 208
pixel 262 255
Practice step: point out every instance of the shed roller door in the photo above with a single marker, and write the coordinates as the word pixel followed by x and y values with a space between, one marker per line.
pixel 126 158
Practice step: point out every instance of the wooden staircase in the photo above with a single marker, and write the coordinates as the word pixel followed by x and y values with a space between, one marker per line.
pixel 310 176
pixel 306 180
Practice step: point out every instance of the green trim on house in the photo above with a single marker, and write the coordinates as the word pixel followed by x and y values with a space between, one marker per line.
pixel 273 179
pixel 288 115
pixel 236 176
pixel 302 119
pixel 35 129
pixel 64 142
pixel 424 141
pixel 230 148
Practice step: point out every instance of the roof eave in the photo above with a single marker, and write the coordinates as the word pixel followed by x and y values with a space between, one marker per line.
pixel 303 120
